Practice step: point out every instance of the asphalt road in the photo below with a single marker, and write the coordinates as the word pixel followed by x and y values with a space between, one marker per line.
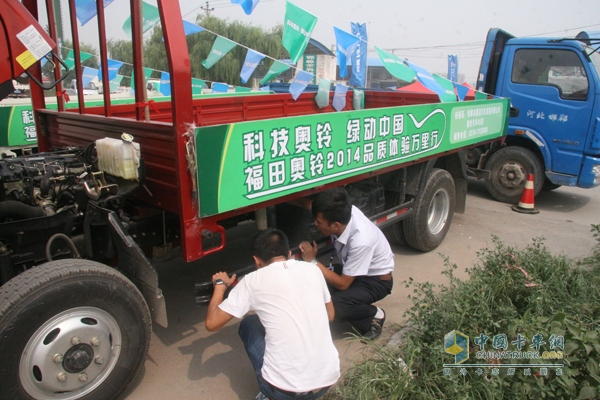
pixel 187 362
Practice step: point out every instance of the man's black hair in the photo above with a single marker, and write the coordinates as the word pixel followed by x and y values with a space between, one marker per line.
pixel 334 205
pixel 269 244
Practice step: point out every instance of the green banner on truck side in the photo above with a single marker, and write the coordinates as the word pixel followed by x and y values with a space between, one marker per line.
pixel 19 125
pixel 251 162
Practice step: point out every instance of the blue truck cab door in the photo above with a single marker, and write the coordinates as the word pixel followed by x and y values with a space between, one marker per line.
pixel 554 87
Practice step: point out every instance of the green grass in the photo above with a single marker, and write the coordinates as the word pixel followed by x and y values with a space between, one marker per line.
pixel 511 291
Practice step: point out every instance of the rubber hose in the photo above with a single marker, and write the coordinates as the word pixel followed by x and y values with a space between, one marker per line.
pixel 66 239
pixel 17 210
pixel 45 184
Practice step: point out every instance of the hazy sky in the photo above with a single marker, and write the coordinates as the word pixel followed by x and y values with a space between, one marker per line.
pixel 424 31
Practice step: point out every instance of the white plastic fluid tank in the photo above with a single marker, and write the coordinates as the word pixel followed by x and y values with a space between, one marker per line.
pixel 119 157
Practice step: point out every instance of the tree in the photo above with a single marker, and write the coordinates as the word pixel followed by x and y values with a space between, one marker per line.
pixel 199 45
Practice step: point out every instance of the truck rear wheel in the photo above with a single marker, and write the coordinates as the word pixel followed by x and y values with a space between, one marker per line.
pixel 426 228
pixel 509 168
pixel 71 329
pixel 395 232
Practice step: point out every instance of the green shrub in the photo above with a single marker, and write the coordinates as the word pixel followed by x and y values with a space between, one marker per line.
pixel 509 291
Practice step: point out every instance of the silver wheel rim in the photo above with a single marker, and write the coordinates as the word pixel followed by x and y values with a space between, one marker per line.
pixel 438 211
pixel 71 354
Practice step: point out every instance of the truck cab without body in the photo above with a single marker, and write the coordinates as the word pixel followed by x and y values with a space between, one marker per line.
pixel 554 129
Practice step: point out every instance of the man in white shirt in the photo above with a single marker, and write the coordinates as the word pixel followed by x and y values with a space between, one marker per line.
pixel 288 340
pixel 368 261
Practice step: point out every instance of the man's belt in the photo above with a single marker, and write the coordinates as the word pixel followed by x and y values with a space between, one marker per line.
pixel 386 277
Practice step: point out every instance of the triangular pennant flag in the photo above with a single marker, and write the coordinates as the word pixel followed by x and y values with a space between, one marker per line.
pixel 359 58
pixel 253 58
pixel 276 68
pixel 165 83
pixel 220 48
pixel 86 10
pixel 70 59
pixel 113 67
pixel 345 46
pixel 247 5
pixel 115 84
pixel 300 82
pixel 218 87
pixel 427 79
pixel 148 73
pixel 339 97
pixel 395 66
pixel 480 95
pixel 189 28
pixel 358 99
pixel 197 86
pixel 87 75
pixel 150 17
pixel 461 91
pixel 449 95
pixel 297 28
pixel 118 79
pixel 322 97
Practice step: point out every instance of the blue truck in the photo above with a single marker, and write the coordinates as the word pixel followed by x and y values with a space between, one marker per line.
pixel 554 125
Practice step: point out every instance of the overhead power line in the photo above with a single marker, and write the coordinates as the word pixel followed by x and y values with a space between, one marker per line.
pixel 480 43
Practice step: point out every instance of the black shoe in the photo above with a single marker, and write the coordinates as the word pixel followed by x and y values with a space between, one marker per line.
pixel 376 328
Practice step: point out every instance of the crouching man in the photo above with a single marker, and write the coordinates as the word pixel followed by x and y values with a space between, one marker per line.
pixel 288 340
pixel 368 261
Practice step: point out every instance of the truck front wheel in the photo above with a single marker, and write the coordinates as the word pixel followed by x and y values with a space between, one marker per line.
pixel 71 329
pixel 426 228
pixel 509 168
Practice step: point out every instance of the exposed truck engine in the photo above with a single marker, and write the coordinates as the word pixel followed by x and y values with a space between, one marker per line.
pixel 44 198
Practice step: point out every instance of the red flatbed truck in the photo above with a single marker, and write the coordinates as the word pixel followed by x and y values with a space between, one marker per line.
pixel 79 292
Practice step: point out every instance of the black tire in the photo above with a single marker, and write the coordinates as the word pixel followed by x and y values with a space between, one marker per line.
pixel 394 233
pixel 47 310
pixel 509 168
pixel 426 228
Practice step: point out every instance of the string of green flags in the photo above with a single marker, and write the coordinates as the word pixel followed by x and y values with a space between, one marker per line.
pixel 298 25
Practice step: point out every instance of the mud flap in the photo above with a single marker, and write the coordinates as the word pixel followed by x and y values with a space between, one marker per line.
pixel 132 261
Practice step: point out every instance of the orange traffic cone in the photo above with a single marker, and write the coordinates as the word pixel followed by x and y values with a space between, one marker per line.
pixel 526 204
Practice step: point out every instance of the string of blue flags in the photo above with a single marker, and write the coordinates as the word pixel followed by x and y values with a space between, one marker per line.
pixel 351 49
